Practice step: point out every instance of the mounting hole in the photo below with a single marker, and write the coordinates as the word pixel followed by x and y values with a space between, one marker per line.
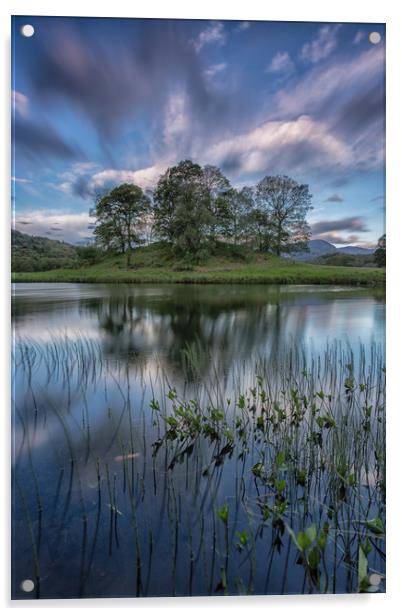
pixel 27 30
pixel 27 585
pixel 375 579
pixel 374 38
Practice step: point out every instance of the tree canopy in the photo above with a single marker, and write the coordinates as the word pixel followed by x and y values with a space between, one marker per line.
pixel 284 204
pixel 194 207
pixel 121 218
pixel 380 252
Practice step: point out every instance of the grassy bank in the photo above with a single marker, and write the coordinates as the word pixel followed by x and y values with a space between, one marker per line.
pixel 154 264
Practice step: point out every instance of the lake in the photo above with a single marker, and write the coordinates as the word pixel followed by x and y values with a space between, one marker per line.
pixel 197 439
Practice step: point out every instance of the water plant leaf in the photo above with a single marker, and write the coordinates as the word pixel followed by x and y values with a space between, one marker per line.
pixel 223 513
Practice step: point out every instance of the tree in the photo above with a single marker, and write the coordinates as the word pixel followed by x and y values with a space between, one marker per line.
pixel 181 208
pixel 285 204
pixel 241 204
pixel 380 252
pixel 218 193
pixel 120 218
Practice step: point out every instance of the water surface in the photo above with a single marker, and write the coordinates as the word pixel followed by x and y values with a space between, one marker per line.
pixel 97 511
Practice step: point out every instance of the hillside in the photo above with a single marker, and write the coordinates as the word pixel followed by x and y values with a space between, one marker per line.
pixel 30 253
pixel 155 264
pixel 321 248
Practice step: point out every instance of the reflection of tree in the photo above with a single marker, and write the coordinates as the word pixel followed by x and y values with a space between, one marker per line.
pixel 214 324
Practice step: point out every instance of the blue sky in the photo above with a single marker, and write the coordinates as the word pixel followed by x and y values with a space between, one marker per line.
pixel 98 102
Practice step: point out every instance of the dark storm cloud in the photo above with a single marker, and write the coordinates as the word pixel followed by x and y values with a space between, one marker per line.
pixel 334 199
pixel 342 224
pixel 36 141
pixel 110 74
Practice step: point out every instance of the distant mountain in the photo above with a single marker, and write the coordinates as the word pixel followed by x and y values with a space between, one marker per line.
pixel 356 250
pixel 319 248
pixel 31 253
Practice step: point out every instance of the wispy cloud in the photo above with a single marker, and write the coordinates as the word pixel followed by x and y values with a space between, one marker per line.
pixel 243 25
pixel 213 34
pixel 359 36
pixel 20 103
pixel 321 46
pixel 281 63
pixel 334 199
pixel 354 223
pixel 214 69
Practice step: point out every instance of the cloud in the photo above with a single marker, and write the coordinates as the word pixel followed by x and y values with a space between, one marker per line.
pixel 347 95
pixel 89 182
pixel 212 70
pixel 291 146
pixel 341 224
pixel 20 180
pixel 213 34
pixel 70 227
pixel 39 142
pixel 375 199
pixel 281 63
pixel 359 36
pixel 112 85
pixel 20 103
pixel 335 238
pixel 243 25
pixel 321 46
pixel 334 199
pixel 177 123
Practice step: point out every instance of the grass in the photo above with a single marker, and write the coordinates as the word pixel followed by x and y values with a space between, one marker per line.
pixel 154 264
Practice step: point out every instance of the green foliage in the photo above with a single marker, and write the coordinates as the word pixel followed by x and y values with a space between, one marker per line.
pixel 182 209
pixel 380 252
pixel 223 513
pixel 121 219
pixel 88 255
pixel 31 253
pixel 283 205
pixel 346 260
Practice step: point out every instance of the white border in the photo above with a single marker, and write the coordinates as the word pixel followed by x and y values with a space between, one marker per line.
pixel 388 11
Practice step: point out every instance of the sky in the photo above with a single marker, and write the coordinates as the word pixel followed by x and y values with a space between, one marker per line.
pixel 98 102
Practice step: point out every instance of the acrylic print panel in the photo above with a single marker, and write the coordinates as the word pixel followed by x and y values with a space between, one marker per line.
pixel 197 439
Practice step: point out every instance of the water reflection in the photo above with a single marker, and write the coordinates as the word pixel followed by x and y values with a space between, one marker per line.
pixel 225 324
pixel 90 521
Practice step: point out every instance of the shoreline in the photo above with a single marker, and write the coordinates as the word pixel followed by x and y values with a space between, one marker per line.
pixel 317 275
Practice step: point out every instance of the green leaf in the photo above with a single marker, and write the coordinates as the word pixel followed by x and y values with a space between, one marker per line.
pixel 223 513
